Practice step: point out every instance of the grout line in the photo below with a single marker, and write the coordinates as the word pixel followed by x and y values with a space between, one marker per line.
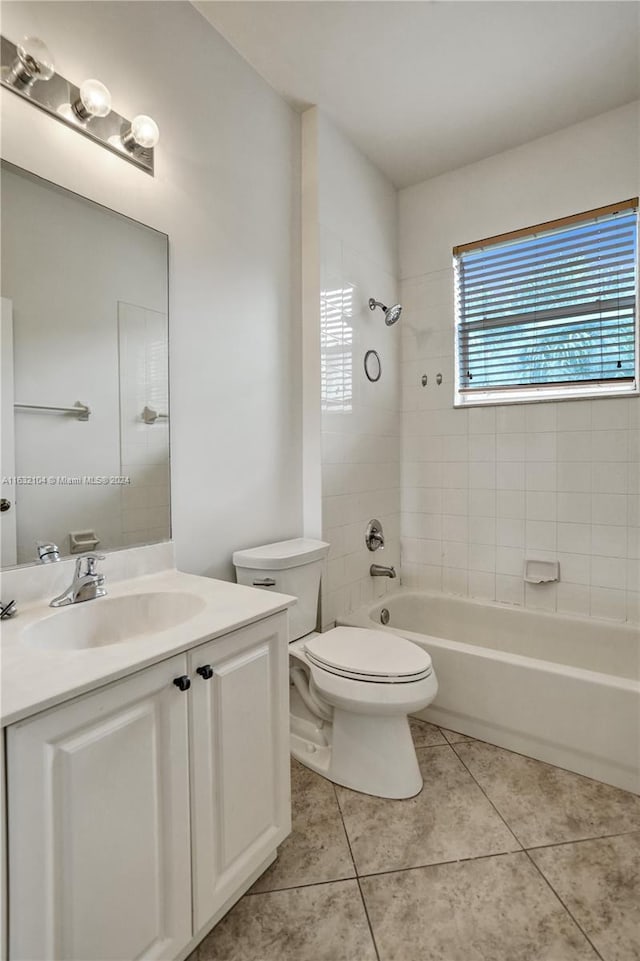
pixel 498 812
pixel 555 893
pixel 438 864
pixel 303 884
pixel 597 837
pixel 536 760
pixel 355 868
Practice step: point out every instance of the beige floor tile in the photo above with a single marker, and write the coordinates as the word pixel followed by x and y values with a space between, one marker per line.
pixel 543 804
pixel 325 922
pixel 453 737
pixel 317 848
pixel 493 909
pixel 599 881
pixel 449 819
pixel 425 734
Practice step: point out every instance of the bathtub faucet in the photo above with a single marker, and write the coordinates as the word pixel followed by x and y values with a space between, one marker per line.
pixel 379 570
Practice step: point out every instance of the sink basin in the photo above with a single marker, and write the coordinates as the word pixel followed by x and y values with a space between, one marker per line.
pixel 111 620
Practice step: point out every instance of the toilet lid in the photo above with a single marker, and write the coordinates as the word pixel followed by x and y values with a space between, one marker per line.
pixel 368 655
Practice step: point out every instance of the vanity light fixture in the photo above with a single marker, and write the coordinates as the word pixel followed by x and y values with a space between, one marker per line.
pixel 86 109
pixel 33 61
pixel 94 101
pixel 143 132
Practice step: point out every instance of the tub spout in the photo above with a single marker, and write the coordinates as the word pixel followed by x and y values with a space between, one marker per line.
pixel 379 570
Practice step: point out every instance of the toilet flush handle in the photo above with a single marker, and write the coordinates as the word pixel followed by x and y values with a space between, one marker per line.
pixel 264 582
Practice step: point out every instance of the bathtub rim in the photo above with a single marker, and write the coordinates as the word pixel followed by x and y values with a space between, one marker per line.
pixel 362 618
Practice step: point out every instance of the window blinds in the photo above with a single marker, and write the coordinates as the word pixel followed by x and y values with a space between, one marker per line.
pixel 552 306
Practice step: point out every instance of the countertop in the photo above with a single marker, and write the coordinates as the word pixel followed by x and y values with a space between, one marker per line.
pixel 34 679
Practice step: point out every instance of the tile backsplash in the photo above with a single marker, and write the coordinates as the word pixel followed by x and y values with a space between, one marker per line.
pixel 486 487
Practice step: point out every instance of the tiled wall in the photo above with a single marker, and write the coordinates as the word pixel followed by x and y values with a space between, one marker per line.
pixel 485 488
pixel 144 448
pixel 360 428
pixel 360 421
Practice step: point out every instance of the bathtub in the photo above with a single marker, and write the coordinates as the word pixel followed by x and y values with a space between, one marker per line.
pixel 561 689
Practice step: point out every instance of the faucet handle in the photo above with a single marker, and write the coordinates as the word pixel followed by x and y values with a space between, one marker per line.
pixel 91 559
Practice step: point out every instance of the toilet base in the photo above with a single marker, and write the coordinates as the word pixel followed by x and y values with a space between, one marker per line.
pixel 370 754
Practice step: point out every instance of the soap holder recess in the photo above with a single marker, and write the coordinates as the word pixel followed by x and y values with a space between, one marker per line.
pixel 541 572
pixel 82 541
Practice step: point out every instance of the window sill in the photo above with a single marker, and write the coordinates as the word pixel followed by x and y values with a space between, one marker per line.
pixel 536 395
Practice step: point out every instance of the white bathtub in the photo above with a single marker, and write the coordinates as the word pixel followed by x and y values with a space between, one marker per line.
pixel 561 689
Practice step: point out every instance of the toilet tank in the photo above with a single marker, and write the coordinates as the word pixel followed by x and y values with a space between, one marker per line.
pixel 295 567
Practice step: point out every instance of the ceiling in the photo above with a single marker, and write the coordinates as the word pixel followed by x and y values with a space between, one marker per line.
pixel 425 87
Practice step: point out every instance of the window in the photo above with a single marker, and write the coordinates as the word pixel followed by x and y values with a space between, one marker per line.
pixel 549 312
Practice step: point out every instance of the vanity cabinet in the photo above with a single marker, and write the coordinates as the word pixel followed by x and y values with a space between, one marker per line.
pixel 140 812
pixel 239 727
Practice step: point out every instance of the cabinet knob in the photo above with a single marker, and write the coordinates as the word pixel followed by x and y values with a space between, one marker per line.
pixel 182 683
pixel 205 672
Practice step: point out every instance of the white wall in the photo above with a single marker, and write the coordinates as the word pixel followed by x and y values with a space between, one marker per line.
pixel 483 488
pixel 226 191
pixel 360 421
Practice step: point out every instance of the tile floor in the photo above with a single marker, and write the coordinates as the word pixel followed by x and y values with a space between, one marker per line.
pixel 499 858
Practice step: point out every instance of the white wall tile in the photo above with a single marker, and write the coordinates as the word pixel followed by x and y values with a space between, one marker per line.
pixel 510 560
pixel 609 509
pixel 609 604
pixel 609 445
pixel 608 572
pixel 574 538
pixel 574 508
pixel 482 585
pixel 509 589
pixel 540 535
pixel 542 597
pixel 608 540
pixel 574 415
pixel 574 445
pixel 573 599
pixel 561 478
pixel 542 505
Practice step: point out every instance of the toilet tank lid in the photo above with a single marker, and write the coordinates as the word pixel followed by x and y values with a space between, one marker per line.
pixel 281 556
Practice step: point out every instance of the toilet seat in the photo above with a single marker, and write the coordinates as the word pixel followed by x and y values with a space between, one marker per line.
pixel 368 656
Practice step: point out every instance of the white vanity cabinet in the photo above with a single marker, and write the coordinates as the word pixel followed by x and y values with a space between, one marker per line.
pixel 239 726
pixel 98 812
pixel 138 813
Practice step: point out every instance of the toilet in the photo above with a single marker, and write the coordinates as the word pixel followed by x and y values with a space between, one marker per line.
pixel 351 689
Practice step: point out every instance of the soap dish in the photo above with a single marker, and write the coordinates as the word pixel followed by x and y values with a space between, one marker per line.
pixel 541 572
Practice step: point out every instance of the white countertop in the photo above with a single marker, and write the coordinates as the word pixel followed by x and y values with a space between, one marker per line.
pixel 34 679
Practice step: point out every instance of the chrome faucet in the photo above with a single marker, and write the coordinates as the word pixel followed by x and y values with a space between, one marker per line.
pixel 48 553
pixel 86 585
pixel 8 610
pixel 378 570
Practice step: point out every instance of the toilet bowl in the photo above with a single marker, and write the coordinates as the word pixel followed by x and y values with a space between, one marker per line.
pixel 351 689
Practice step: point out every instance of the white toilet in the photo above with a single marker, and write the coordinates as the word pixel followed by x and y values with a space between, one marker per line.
pixel 351 689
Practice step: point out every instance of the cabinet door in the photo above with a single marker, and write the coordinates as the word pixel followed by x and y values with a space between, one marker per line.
pixel 241 805
pixel 98 796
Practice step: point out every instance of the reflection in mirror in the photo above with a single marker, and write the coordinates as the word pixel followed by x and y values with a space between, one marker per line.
pixel 84 357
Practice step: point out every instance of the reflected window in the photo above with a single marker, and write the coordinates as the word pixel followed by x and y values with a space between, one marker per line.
pixel 336 348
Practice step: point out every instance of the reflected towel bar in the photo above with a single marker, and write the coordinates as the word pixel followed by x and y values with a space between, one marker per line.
pixel 150 416
pixel 81 411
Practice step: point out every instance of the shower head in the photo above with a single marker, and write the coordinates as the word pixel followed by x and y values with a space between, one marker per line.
pixel 391 314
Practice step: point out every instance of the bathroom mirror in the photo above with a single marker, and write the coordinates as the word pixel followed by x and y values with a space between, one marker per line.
pixel 372 365
pixel 84 452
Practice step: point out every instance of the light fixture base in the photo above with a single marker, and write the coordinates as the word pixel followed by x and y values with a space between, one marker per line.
pixel 58 97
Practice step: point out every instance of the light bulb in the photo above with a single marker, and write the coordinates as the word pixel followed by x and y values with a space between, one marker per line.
pixel 34 62
pixel 143 132
pixel 94 100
